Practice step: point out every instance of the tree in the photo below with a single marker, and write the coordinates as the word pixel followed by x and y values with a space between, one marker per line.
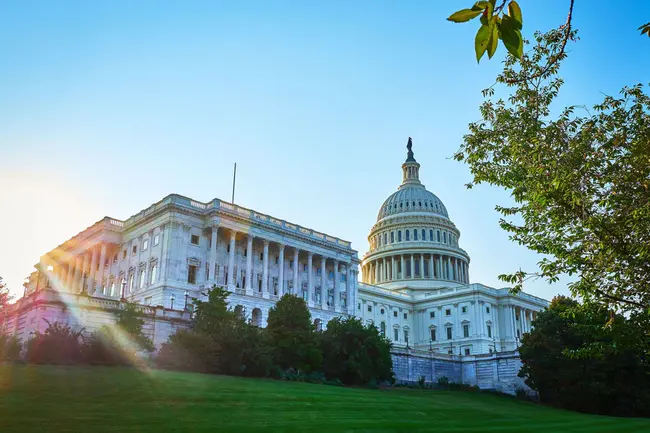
pixel 356 354
pixel 4 305
pixel 130 321
pixel 576 362
pixel 580 182
pixel 187 350
pixel 212 313
pixel 293 335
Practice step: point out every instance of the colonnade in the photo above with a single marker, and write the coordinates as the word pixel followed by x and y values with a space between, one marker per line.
pixel 415 266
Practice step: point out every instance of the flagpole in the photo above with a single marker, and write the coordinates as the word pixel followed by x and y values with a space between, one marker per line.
pixel 234 176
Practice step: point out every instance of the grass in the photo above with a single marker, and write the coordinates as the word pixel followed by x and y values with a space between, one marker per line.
pixel 72 399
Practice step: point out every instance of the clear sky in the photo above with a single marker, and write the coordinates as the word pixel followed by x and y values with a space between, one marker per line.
pixel 106 107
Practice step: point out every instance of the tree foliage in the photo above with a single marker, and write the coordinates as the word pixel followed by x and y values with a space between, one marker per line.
pixel 580 182
pixel 58 344
pixel 585 358
pixel 356 354
pixel 293 335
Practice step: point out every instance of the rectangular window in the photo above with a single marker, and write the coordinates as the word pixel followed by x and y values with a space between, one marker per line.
pixel 123 256
pixel 156 239
pixel 194 239
pixel 444 237
pixel 277 259
pixel 431 235
pixel 304 268
pixel 408 235
pixel 145 244
pixel 369 308
pixel 245 252
pixel 290 264
pixel 406 336
pixel 433 334
pixel 142 281
pixel 448 333
pixel 134 250
pixel 392 237
pixel 406 316
pixel 432 315
pixel 261 257
pixel 191 274
pixel 438 235
pixel 394 313
pixel 395 334
pixel 447 312
pixel 385 238
pixel 466 351
pixel 489 330
pixel 463 309
pixel 487 310
pixel 424 235
pixel 415 235
pixel 154 270
pixel 399 236
pixel 466 331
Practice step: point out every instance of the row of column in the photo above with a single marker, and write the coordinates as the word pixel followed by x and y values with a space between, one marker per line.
pixel 520 319
pixel 295 279
pixel 77 273
pixel 395 267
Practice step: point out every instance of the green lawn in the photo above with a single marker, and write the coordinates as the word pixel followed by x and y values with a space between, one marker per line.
pixel 58 399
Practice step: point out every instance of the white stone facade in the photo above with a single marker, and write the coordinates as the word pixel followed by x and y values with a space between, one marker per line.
pixel 414 286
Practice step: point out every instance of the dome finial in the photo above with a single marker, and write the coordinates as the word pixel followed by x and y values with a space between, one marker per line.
pixel 409 156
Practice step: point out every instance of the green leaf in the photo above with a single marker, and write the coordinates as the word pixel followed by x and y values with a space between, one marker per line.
pixel 514 11
pixel 493 42
pixel 487 14
pixel 481 41
pixel 479 6
pixel 463 15
pixel 511 36
pixel 645 29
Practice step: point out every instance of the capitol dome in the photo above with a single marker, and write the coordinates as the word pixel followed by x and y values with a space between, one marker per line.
pixel 414 241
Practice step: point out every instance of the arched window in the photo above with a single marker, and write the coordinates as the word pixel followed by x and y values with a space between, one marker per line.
pixel 438 235
pixel 392 237
pixel 431 235
pixel 408 237
pixel 141 285
pixel 385 238
pixel 154 270
pixel 433 334
pixel 444 237
pixel 415 235
pixel 399 236
pixel 424 235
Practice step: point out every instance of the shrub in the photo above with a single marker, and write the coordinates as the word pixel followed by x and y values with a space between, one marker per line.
pixel 443 382
pixel 58 344
pixel 9 348
pixel 422 381
pixel 187 351
pixel 356 354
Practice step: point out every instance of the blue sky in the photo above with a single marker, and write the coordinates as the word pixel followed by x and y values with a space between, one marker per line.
pixel 106 107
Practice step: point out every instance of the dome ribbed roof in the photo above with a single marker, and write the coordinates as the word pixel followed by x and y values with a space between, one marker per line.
pixel 412 196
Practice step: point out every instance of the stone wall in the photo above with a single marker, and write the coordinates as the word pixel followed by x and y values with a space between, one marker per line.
pixel 497 371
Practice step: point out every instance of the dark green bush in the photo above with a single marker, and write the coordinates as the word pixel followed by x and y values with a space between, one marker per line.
pixel 10 347
pixel 58 344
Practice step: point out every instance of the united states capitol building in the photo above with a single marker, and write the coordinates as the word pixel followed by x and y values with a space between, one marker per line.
pixel 413 284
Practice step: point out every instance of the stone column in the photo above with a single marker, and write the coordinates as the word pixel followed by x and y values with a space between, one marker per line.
pixel 84 266
pixel 249 265
pixel 324 292
pixel 421 265
pixel 412 266
pixel 376 272
pixel 265 270
pixel 281 270
pixel 297 289
pixel 337 285
pixel 513 323
pixel 75 275
pixel 403 264
pixel 212 264
pixel 310 279
pixel 231 262
pixel 102 260
pixel 93 270
pixel 349 302
pixel 431 273
pixel 524 322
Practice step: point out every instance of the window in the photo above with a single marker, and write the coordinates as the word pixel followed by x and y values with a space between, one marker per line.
pixel 518 333
pixel 444 237
pixel 406 336
pixel 154 270
pixel 228 248
pixel 115 258
pixel 406 316
pixel 424 235
pixel 156 239
pixel 399 236
pixel 290 264
pixel 381 311
pixel 394 313
pixel 131 282
pixel 134 250
pixel 369 308
pixel 448 312
pixel 392 237
pixel 382 329
pixel 449 333
pixel 464 310
pixel 145 244
pixel 277 259
pixel 487 310
pixel 432 314
pixel 467 351
pixel 438 235
pixel 466 331
pixel 147 300
pixel 358 306
pixel 395 334
pixel 194 240
pixel 433 334
pixel 408 237
pixel 123 256
pixel 385 238
pixel 415 235
pixel 142 279
pixel 489 331
pixel 317 272
pixel 304 268
pixel 431 235
pixel 191 274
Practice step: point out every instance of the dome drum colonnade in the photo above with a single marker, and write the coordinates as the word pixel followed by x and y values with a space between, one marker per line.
pixel 414 239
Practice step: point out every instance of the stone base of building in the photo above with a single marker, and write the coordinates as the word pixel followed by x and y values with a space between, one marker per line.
pixel 496 371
